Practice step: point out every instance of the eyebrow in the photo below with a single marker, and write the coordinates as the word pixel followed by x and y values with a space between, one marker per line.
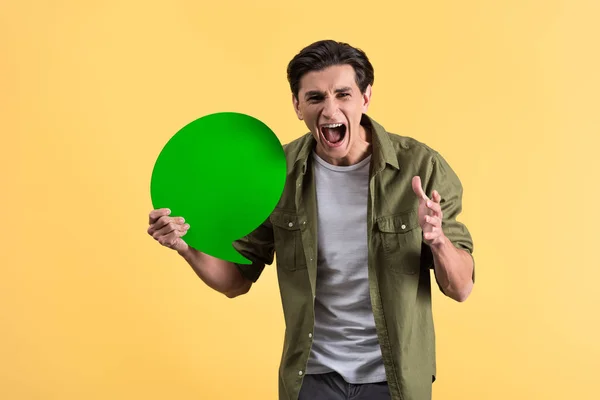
pixel 317 93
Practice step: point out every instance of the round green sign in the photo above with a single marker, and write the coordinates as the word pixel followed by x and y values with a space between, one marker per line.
pixel 224 173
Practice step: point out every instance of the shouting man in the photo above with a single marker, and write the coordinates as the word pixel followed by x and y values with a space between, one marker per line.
pixel 364 216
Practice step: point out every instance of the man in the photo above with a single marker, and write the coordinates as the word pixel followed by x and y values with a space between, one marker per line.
pixel 355 235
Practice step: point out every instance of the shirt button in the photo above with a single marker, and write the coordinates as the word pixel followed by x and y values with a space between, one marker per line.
pixel 291 224
pixel 310 335
pixel 300 373
pixel 403 226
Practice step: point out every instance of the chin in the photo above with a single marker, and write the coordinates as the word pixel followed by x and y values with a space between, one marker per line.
pixel 337 154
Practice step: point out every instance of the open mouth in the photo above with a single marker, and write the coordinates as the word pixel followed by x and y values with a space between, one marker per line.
pixel 333 134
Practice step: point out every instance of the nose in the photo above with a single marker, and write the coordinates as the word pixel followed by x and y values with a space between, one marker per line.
pixel 330 109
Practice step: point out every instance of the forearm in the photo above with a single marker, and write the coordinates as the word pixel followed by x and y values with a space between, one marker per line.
pixel 453 270
pixel 220 275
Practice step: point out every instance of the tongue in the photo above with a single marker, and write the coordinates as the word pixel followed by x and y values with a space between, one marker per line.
pixel 333 135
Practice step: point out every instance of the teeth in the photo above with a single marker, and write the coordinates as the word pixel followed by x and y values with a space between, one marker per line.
pixel 332 125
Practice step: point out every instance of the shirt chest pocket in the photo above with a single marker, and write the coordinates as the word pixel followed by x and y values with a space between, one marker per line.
pixel 401 239
pixel 287 232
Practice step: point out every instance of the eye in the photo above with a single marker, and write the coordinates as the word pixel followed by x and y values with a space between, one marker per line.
pixel 344 94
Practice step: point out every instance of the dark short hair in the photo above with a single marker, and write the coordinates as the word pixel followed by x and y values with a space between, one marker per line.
pixel 326 53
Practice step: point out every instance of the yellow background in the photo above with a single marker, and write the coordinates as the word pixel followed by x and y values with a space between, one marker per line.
pixel 92 308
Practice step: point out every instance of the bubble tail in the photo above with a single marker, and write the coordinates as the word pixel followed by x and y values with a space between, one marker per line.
pixel 232 255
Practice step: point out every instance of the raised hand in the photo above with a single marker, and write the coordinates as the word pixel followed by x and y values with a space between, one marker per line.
pixel 430 214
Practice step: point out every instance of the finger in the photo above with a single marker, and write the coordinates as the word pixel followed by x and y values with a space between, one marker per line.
pixel 416 186
pixel 435 207
pixel 164 220
pixel 160 223
pixel 158 234
pixel 172 238
pixel 156 214
pixel 170 226
pixel 168 229
pixel 168 241
pixel 436 196
pixel 436 222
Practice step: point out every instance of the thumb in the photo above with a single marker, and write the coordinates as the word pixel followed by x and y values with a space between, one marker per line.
pixel 416 186
pixel 180 245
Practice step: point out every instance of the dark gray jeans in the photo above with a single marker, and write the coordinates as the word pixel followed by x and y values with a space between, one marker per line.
pixel 332 386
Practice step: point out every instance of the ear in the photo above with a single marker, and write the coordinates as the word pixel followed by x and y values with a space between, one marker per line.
pixel 366 96
pixel 296 104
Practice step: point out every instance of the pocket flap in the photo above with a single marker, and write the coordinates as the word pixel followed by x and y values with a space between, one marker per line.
pixel 399 223
pixel 285 220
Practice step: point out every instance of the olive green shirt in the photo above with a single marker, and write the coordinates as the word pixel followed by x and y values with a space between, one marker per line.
pixel 399 261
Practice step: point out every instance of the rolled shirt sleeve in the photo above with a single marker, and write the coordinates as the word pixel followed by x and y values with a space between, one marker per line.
pixel 258 247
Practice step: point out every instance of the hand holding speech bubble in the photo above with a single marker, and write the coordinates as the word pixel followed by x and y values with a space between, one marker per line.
pixel 224 173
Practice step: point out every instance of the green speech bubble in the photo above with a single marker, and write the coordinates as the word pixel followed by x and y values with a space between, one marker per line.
pixel 224 173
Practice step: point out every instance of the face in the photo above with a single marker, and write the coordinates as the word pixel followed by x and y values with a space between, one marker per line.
pixel 331 105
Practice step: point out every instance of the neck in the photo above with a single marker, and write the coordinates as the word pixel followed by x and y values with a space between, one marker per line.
pixel 362 148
